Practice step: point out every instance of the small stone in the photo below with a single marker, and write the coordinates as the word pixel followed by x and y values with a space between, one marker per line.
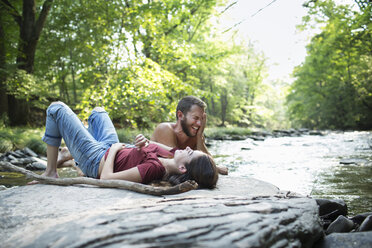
pixel 17 154
pixel 315 133
pixel 36 166
pixel 11 157
pixel 256 138
pixel 23 161
pixel 358 219
pixel 353 161
pixel 20 154
pixel 16 162
pixel 366 224
pixel 331 209
pixel 340 225
pixel 29 152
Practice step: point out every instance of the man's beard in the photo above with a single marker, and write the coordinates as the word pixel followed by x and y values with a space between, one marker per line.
pixel 185 129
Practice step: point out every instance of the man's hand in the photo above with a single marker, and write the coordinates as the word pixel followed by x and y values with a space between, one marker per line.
pixel 202 125
pixel 141 141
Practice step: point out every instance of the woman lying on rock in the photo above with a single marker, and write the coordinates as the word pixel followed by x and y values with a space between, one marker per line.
pixel 99 154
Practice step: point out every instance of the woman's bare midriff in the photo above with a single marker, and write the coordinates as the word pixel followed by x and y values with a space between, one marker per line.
pixel 101 164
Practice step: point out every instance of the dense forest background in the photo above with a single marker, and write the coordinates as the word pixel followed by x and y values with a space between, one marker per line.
pixel 138 58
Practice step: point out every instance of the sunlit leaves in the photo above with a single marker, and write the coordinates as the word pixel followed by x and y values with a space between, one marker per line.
pixel 333 86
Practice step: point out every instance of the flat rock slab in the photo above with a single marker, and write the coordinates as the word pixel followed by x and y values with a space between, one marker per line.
pixel 244 213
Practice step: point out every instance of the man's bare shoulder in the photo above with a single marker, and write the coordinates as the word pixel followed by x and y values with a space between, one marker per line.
pixel 165 127
pixel 164 133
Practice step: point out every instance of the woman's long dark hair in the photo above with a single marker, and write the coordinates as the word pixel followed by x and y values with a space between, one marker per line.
pixel 202 170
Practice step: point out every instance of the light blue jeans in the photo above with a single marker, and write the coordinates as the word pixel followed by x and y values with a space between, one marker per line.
pixel 87 146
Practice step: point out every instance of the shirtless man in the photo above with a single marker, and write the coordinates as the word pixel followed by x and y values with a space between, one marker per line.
pixel 188 131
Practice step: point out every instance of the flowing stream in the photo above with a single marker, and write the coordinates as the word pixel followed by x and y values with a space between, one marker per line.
pixel 337 165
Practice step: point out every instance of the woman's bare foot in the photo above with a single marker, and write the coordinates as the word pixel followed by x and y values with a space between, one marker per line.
pixel 64 157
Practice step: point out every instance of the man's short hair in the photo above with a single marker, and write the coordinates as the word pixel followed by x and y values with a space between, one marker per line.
pixel 185 104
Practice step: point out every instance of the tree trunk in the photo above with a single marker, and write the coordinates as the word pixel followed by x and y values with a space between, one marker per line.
pixel 73 78
pixel 213 105
pixel 3 95
pixel 30 30
pixel 223 108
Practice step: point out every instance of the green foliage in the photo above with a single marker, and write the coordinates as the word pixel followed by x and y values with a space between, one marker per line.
pixel 27 86
pixel 128 135
pixel 333 87
pixel 19 138
pixel 137 59
pixel 137 97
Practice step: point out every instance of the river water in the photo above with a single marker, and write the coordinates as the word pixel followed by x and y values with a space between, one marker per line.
pixel 337 165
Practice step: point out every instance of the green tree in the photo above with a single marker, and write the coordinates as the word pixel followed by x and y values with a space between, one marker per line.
pixel 29 23
pixel 333 85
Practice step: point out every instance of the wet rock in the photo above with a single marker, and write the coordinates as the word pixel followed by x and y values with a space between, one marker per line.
pixel 303 130
pixel 256 138
pixel 29 152
pixel 329 210
pixel 2 187
pixel 314 132
pixel 15 154
pixel 366 225
pixel 358 219
pixel 287 133
pixel 357 161
pixel 24 158
pixel 346 240
pixel 10 157
pixel 22 161
pixel 36 166
pixel 340 225
pixel 83 216
pixel 262 133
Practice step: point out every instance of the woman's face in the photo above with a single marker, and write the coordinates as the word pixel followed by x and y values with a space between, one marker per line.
pixel 185 156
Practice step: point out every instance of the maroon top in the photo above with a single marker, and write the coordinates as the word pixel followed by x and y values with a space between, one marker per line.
pixel 146 160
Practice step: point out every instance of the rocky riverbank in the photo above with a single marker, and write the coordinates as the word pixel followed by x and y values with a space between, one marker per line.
pixel 262 135
pixel 240 212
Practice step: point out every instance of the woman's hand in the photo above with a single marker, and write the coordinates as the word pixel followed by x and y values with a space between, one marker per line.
pixel 141 141
pixel 117 147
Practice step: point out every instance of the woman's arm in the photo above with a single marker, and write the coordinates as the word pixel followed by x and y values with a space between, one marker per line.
pixel 142 141
pixel 132 174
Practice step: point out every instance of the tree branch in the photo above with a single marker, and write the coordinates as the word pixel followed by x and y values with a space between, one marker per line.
pixel 192 12
pixel 13 11
pixel 42 18
pixel 228 7
pixel 121 184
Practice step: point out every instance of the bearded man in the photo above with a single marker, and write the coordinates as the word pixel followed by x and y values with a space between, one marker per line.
pixel 188 131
